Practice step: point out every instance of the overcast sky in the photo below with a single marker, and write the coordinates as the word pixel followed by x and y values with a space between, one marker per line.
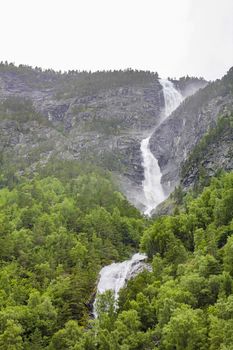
pixel 172 37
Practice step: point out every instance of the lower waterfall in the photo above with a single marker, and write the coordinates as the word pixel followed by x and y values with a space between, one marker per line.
pixel 152 187
pixel 113 277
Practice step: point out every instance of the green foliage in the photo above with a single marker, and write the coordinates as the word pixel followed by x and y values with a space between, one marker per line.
pixel 11 338
pixel 186 330
pixel 55 234
pixel 86 83
pixel 67 337
pixel 76 83
pixel 59 227
pixel 186 301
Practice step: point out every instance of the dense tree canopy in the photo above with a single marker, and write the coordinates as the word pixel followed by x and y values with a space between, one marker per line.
pixel 59 226
pixel 55 233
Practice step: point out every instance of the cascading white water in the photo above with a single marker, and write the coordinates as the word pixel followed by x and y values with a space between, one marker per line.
pixel 152 188
pixel 113 277
pixel 172 97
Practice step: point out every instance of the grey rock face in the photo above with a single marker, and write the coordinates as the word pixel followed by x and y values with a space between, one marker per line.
pixel 105 127
pixel 218 155
pixel 175 138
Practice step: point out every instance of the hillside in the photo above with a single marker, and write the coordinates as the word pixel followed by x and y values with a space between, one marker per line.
pixel 58 229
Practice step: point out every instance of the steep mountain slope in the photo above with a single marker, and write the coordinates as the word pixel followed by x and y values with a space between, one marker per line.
pixel 95 117
pixel 174 139
pixel 212 154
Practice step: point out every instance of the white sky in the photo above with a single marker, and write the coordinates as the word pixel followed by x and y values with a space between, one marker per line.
pixel 172 37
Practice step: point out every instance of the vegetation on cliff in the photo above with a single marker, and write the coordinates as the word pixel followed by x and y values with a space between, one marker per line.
pixel 76 83
pixel 206 149
pixel 21 110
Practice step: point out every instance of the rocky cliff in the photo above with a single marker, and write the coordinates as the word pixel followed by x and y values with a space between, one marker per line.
pixel 97 117
pixel 212 154
pixel 174 140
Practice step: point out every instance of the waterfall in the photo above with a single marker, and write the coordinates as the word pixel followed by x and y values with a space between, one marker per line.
pixel 172 97
pixel 152 188
pixel 113 277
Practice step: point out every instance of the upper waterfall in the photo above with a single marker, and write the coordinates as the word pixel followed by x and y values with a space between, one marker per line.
pixel 172 97
pixel 152 188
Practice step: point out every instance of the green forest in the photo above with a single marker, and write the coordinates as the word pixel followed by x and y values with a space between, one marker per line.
pixel 74 82
pixel 59 226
